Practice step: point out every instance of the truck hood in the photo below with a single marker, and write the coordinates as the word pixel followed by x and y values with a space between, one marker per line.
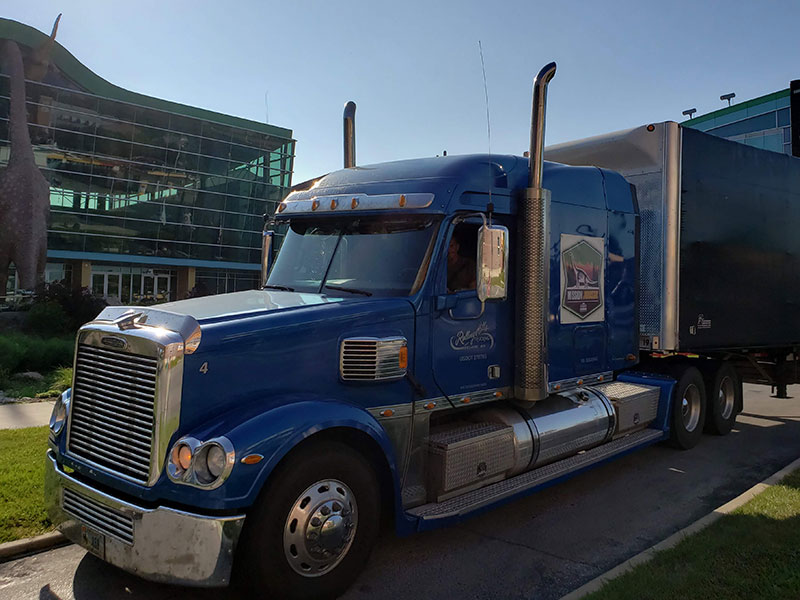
pixel 209 309
pixel 258 346
pixel 259 350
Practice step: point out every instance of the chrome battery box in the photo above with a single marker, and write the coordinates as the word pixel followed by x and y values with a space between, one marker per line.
pixel 466 456
pixel 636 405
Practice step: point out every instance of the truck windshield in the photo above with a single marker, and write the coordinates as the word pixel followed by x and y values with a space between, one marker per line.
pixel 371 256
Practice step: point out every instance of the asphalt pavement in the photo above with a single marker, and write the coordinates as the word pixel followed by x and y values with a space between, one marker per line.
pixel 539 547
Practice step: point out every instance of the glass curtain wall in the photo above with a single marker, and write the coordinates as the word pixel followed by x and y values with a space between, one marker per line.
pixel 133 180
pixel 763 125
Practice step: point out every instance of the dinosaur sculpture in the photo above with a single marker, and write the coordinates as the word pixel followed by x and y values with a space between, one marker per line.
pixel 37 64
pixel 24 192
pixel 39 59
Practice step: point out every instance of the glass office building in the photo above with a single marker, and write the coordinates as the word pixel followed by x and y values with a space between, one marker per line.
pixel 763 122
pixel 148 198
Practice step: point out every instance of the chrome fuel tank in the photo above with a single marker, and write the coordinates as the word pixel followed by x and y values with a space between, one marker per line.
pixel 565 424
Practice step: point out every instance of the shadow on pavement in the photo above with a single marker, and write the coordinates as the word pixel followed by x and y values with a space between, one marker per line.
pixel 97 580
pixel 47 594
pixel 546 544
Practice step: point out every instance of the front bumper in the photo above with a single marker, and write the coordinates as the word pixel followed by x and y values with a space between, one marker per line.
pixel 160 544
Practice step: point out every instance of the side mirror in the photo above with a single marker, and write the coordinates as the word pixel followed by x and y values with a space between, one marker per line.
pixel 492 275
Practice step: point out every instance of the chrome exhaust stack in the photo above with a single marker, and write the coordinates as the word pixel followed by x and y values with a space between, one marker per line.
pixel 267 236
pixel 349 135
pixel 533 281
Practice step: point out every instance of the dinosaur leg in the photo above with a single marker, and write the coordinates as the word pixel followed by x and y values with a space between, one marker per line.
pixel 25 260
pixel 41 261
pixel 23 270
pixel 4 262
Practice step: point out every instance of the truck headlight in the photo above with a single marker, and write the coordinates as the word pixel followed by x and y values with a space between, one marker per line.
pixel 215 460
pixel 201 464
pixel 210 462
pixel 60 411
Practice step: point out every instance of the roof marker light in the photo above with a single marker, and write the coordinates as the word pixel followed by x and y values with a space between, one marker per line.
pixel 315 205
pixel 354 203
pixel 334 204
pixel 402 200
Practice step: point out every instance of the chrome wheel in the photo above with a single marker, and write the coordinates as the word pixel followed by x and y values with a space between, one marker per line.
pixel 320 528
pixel 691 407
pixel 726 398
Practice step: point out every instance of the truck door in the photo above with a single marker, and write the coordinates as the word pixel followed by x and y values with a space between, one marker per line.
pixel 472 346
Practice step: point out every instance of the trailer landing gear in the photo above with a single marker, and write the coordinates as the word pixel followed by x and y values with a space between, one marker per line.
pixel 780 390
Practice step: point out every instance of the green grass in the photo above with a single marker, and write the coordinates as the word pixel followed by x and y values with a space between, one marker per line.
pixel 753 552
pixel 51 386
pixel 22 512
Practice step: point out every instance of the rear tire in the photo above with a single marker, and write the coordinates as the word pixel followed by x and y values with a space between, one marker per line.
pixel 688 408
pixel 313 527
pixel 724 391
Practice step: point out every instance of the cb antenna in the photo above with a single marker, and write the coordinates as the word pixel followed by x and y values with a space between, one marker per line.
pixel 490 206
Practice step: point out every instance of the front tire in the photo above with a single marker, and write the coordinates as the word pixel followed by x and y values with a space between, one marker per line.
pixel 724 389
pixel 313 527
pixel 688 408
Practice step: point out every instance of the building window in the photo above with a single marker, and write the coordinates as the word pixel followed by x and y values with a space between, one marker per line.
pixel 759 123
pixel 783 117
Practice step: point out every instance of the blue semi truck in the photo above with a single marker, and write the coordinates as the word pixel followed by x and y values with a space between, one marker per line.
pixel 435 337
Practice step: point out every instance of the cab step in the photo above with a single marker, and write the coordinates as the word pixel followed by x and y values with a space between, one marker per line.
pixel 476 499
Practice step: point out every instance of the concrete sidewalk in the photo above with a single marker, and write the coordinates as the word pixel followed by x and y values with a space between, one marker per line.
pixel 19 415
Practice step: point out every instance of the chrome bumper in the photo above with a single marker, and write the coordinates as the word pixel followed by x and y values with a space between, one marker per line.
pixel 162 544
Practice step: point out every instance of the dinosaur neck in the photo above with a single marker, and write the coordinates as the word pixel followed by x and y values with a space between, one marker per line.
pixel 21 150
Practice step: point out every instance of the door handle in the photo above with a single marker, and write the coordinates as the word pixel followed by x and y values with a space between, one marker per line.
pixel 478 316
pixel 446 301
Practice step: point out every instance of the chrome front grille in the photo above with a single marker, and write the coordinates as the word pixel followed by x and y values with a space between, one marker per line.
pixel 112 420
pixel 373 359
pixel 98 516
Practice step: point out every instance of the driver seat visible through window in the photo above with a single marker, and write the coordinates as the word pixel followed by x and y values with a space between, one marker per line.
pixel 461 258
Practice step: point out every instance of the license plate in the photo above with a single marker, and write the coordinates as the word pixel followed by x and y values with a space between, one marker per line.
pixel 94 542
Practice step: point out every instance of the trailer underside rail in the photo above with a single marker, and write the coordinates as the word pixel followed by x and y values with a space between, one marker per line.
pixel 480 498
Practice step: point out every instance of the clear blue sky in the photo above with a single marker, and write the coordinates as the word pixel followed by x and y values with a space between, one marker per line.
pixel 414 70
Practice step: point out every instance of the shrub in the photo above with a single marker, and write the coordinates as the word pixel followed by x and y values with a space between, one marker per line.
pixel 59 380
pixel 46 354
pixel 20 352
pixel 62 379
pixel 79 305
pixel 12 351
pixel 48 318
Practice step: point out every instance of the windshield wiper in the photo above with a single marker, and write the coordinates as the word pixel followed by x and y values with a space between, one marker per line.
pixel 347 289
pixel 284 288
